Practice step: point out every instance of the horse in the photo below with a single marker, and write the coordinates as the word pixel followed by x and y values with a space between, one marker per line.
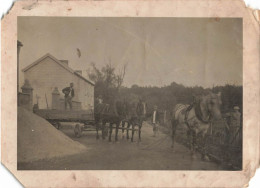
pixel 120 112
pixel 197 117
pixel 107 113
pixel 134 116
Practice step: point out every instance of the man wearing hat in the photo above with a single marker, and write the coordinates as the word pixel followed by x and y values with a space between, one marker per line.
pixel 68 95
pixel 234 122
pixel 99 106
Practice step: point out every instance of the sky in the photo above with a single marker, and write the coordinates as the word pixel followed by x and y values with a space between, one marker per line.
pixel 158 51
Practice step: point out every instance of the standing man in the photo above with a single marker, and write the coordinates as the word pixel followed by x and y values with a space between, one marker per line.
pixel 140 112
pixel 100 99
pixel 140 108
pixel 144 109
pixel 155 121
pixel 68 95
pixel 234 123
pixel 99 107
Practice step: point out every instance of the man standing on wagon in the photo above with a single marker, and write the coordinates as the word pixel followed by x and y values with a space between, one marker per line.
pixel 68 95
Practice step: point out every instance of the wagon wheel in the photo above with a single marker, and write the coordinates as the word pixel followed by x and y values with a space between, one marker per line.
pixel 56 124
pixel 78 130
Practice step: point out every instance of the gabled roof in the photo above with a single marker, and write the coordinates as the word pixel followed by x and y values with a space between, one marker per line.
pixel 59 63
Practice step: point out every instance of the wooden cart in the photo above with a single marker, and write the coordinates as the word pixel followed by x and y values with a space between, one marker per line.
pixel 55 117
pixel 85 117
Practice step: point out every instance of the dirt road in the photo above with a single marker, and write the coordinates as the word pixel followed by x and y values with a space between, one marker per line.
pixel 153 153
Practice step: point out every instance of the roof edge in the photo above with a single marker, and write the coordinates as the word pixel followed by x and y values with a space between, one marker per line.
pixel 57 61
pixel 82 77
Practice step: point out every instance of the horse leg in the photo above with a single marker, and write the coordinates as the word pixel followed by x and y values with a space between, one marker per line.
pixel 110 131
pixel 189 138
pixel 139 131
pixel 204 155
pixel 97 128
pixel 123 129
pixel 123 126
pixel 174 128
pixel 128 126
pixel 133 132
pixel 117 127
pixel 103 130
pixel 194 144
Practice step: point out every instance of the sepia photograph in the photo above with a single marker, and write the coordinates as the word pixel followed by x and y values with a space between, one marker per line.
pixel 129 93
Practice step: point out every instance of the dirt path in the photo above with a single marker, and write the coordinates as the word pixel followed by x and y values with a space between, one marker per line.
pixel 153 153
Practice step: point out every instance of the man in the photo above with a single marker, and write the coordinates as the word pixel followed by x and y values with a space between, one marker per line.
pixel 100 99
pixel 99 106
pixel 234 123
pixel 144 109
pixel 140 108
pixel 68 95
pixel 140 111
pixel 155 121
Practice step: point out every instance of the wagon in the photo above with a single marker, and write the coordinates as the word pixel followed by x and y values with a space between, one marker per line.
pixel 88 118
pixel 55 117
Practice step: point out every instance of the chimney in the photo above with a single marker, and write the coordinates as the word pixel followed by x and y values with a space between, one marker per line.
pixel 65 62
pixel 79 72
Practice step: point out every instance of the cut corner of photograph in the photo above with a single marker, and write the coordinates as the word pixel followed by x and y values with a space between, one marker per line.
pixel 132 95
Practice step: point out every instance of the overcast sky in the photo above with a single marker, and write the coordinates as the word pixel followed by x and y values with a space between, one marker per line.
pixel 158 51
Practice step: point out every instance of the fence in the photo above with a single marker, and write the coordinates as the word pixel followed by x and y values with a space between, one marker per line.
pixel 221 144
pixel 225 145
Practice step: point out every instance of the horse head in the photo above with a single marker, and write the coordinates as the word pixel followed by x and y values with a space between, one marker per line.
pixel 212 103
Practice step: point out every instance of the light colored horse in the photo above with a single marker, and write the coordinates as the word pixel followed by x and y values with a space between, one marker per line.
pixel 197 117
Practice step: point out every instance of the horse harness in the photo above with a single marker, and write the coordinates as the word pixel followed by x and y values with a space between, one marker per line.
pixel 198 114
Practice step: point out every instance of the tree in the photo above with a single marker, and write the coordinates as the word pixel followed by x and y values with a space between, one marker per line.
pixel 107 81
pixel 167 97
pixel 120 77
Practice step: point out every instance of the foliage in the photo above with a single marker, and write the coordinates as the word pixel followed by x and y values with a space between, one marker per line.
pixel 107 81
pixel 109 85
pixel 168 96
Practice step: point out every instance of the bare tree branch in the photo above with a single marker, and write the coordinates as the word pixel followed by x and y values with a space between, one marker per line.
pixel 120 76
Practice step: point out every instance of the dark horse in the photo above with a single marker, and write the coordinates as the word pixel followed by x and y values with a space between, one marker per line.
pixel 134 115
pixel 107 113
pixel 121 111
pixel 197 117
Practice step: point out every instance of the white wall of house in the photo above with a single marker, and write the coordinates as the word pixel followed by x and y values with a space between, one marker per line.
pixel 48 74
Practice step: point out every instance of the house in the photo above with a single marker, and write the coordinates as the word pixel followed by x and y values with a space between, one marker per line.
pixel 48 76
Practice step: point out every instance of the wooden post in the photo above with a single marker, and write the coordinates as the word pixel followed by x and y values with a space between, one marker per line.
pixel 27 88
pixel 164 117
pixel 46 101
pixel 55 99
